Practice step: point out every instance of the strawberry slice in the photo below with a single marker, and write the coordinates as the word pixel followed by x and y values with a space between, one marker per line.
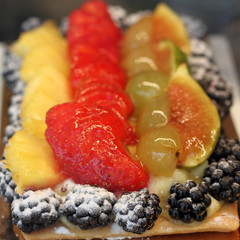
pixel 84 51
pixel 96 8
pixel 100 68
pixel 80 16
pixel 123 102
pixel 92 85
pixel 108 34
pixel 87 142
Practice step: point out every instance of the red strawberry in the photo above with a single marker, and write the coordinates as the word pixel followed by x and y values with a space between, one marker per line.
pixel 108 34
pixel 96 8
pixel 101 69
pixel 87 144
pixel 79 17
pixel 92 85
pixel 123 102
pixel 90 12
pixel 83 51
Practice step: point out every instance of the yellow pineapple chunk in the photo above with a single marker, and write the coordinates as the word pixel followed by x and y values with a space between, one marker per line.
pixel 47 33
pixel 47 89
pixel 40 57
pixel 31 161
pixel 33 116
pixel 46 81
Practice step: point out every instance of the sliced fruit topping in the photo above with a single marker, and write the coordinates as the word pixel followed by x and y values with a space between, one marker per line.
pixel 194 116
pixel 169 57
pixel 96 84
pixel 167 25
pixel 40 96
pixel 87 142
pixel 119 101
pixel 41 57
pixel 145 87
pixel 100 69
pixel 35 167
pixel 48 33
pixel 159 150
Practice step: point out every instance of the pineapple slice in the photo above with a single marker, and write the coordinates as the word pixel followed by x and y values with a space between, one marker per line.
pixel 33 116
pixel 31 161
pixel 40 57
pixel 47 33
pixel 40 84
pixel 46 90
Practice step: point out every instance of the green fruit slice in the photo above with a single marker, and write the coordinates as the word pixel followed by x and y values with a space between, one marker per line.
pixel 169 57
pixel 167 25
pixel 194 116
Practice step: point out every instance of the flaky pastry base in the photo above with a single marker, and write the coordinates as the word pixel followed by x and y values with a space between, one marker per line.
pixel 225 220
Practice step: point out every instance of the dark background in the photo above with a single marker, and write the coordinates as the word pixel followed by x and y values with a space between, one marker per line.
pixel 220 16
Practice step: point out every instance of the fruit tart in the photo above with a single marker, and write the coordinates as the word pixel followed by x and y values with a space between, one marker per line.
pixel 112 136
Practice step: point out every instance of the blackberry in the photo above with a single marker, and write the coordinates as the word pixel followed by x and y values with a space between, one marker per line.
pixel 10 129
pixel 223 180
pixel 137 211
pixel 64 26
pixel 14 108
pixel 7 185
pixel 188 201
pixel 205 71
pixel 88 206
pixel 221 94
pixel 35 210
pixel 11 66
pixel 195 27
pixel 30 24
pixel 226 148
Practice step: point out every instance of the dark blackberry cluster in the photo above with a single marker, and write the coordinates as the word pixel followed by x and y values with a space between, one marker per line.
pixel 7 185
pixel 11 66
pixel 35 210
pixel 88 206
pixel 205 71
pixel 223 179
pixel 137 211
pixel 188 201
pixel 226 148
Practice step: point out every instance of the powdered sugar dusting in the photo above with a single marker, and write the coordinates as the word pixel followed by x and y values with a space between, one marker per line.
pixel 63 230
pixel 116 229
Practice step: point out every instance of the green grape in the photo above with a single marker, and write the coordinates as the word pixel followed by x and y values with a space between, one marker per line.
pixel 146 86
pixel 139 60
pixel 137 35
pixel 155 114
pixel 158 149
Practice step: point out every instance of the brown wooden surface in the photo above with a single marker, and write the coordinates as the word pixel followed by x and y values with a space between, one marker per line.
pixel 6 229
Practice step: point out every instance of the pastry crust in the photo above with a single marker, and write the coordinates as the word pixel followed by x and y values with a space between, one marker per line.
pixel 225 220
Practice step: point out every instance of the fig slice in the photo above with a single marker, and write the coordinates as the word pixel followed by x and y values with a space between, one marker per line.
pixel 167 25
pixel 194 116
